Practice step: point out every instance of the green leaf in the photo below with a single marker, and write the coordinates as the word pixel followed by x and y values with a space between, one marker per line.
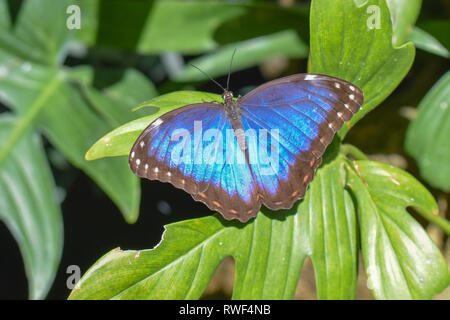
pixel 212 23
pixel 263 18
pixel 29 208
pixel 188 256
pixel 248 54
pixel 72 127
pixel 179 20
pixel 40 31
pixel 404 15
pixel 427 42
pixel 328 219
pixel 428 134
pixel 119 141
pixel 437 28
pixel 114 102
pixel 269 252
pixel 43 96
pixel 30 104
pixel 4 15
pixel 401 261
pixel 342 45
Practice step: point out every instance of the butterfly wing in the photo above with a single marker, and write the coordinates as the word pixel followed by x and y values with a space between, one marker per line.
pixel 301 114
pixel 195 149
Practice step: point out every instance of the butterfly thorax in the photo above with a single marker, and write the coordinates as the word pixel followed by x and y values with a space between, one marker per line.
pixel 232 109
pixel 233 113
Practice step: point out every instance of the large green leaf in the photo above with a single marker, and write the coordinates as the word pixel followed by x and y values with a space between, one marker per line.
pixel 269 253
pixel 342 45
pixel 29 208
pixel 248 54
pixel 328 221
pixel 47 97
pixel 68 121
pixel 116 101
pixel 162 25
pixel 401 261
pixel 72 127
pixel 39 32
pixel 27 197
pixel 159 26
pixel 147 28
pixel 428 134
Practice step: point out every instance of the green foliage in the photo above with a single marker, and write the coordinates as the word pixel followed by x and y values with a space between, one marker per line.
pixel 401 260
pixel 119 141
pixel 248 53
pixel 404 14
pixel 427 42
pixel 154 34
pixel 269 251
pixel 373 64
pixel 428 134
pixel 437 29
pixel 36 35
pixel 212 23
pixel 351 205
pixel 47 97
pixel 29 208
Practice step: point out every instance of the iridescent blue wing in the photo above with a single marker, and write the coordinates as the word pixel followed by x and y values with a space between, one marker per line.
pixel 300 114
pixel 195 149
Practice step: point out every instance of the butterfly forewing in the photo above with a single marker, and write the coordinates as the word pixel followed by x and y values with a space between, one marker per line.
pixel 158 154
pixel 195 149
pixel 315 106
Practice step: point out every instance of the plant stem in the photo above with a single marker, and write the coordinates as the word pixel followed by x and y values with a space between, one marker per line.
pixel 441 222
pixel 23 123
pixel 351 150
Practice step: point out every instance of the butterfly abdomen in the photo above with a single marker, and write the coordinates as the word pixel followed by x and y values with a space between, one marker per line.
pixel 239 133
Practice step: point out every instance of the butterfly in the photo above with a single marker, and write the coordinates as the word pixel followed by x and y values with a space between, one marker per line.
pixel 262 148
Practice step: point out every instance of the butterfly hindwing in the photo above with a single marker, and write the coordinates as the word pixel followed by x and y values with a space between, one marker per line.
pixel 231 189
pixel 301 114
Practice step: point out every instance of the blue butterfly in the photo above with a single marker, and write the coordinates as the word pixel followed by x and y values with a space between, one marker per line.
pixel 262 148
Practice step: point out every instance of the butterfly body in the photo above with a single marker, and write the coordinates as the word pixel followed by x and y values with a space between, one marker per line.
pixel 231 106
pixel 263 148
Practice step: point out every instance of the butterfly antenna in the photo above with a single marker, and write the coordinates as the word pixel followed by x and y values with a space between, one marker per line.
pixel 208 76
pixel 229 71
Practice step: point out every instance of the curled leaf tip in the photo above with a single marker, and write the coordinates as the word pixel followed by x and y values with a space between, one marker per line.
pixel 142 106
pixel 87 156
